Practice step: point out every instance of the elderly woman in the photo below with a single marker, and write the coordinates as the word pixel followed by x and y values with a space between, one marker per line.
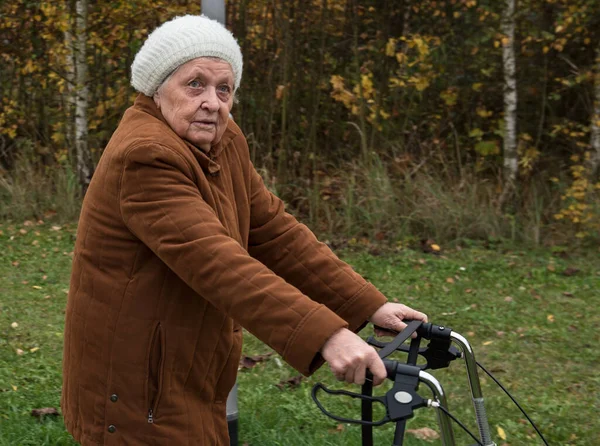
pixel 179 246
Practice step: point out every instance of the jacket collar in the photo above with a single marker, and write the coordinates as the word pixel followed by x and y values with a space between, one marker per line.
pixel 208 160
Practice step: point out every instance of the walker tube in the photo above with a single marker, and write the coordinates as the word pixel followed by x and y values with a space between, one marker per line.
pixel 447 434
pixel 473 376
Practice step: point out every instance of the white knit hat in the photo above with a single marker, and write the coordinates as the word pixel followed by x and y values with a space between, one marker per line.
pixel 178 41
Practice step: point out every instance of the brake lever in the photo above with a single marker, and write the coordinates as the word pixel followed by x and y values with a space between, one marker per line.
pixel 437 354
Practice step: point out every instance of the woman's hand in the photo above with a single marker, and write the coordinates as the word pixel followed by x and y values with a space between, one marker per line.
pixel 391 316
pixel 349 357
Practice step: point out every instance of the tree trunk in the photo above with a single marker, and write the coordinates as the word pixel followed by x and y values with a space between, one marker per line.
pixel 70 93
pixel 84 168
pixel 595 125
pixel 511 157
pixel 283 156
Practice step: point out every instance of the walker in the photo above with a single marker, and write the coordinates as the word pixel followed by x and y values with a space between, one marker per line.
pixel 402 399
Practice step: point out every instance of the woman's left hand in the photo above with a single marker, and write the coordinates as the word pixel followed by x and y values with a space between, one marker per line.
pixel 391 316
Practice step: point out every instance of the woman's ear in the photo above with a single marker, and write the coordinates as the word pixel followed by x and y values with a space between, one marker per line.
pixel 156 98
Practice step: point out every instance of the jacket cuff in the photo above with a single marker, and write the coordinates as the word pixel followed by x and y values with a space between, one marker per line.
pixel 360 307
pixel 302 349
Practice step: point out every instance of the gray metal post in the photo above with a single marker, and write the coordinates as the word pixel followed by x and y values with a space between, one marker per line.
pixel 214 9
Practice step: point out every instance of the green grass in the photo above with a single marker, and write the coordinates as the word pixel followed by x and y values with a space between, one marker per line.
pixel 533 326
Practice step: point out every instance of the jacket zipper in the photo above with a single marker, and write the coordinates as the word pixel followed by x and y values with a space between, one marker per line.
pixel 156 337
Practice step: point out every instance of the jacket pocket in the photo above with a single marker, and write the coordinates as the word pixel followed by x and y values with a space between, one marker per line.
pixel 229 372
pixel 155 365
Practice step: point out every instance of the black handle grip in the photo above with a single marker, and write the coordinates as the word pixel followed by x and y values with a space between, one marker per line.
pixel 426 330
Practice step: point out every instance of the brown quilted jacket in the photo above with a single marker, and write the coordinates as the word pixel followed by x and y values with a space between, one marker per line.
pixel 176 250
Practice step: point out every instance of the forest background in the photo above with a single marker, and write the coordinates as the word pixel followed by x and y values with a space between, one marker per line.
pixel 381 120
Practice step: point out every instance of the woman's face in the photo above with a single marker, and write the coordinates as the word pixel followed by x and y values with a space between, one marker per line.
pixel 196 100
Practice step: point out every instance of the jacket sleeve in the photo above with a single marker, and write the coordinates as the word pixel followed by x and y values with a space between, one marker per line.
pixel 292 251
pixel 162 206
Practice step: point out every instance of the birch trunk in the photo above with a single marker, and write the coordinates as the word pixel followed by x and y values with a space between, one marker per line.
pixel 70 93
pixel 511 157
pixel 84 170
pixel 595 125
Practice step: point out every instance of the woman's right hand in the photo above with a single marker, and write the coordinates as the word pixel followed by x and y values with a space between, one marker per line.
pixel 349 357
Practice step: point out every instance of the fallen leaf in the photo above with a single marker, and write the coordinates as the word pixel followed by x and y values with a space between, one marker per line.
pixel 499 334
pixel 14 387
pixel 14 324
pixel 508 299
pixel 338 428
pixel 567 294
pixel 15 263
pixel 488 342
pixel 292 382
pixel 27 223
pixel 248 362
pixel 34 349
pixel 551 268
pixel 570 271
pixel 468 291
pixel 36 287
pixel 19 352
pixel 501 433
pixel 450 280
pixel 550 318
pixel 23 231
pixel 56 228
pixel 429 246
pixel 424 433
pixel 39 413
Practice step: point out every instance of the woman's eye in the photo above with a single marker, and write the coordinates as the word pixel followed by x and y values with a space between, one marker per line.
pixel 195 84
pixel 224 89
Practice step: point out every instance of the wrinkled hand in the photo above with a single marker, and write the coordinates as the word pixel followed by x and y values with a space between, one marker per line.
pixel 349 357
pixel 391 316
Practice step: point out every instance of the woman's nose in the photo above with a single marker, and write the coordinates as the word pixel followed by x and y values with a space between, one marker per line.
pixel 210 101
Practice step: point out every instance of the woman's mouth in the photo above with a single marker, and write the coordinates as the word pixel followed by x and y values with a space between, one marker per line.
pixel 205 124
